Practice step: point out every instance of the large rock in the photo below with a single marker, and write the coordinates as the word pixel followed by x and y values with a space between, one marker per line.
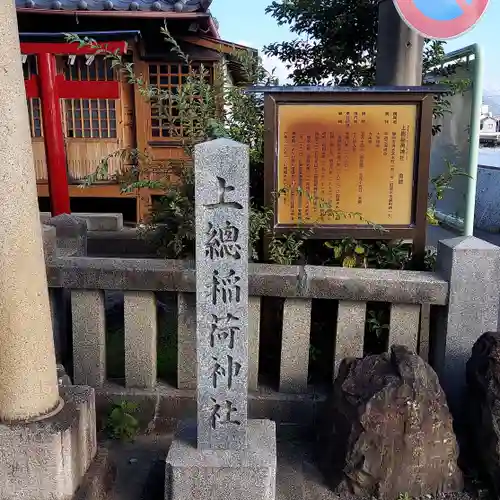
pixel 483 381
pixel 389 429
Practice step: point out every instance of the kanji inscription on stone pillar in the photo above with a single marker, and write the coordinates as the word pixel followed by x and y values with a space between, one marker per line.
pixel 221 197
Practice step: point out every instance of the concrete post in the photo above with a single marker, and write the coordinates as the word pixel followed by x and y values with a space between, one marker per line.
pixel 471 266
pixel 28 378
pixel 221 194
pixel 223 454
pixel 399 49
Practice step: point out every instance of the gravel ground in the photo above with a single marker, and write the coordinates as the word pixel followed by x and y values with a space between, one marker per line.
pixel 141 467
pixel 448 496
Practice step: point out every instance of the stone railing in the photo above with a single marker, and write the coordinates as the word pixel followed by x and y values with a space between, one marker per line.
pixel 411 295
pixel 439 315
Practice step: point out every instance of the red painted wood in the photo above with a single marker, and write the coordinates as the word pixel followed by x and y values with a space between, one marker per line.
pixel 69 48
pixel 53 135
pixel 76 90
pixel 87 90
pixel 32 87
pixel 51 88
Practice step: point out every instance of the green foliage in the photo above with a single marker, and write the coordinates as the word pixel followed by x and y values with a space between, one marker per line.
pixel 287 249
pixel 376 254
pixel 121 423
pixel 336 41
pixel 430 260
pixel 203 115
pixel 377 322
pixel 439 185
pixel 391 254
pixel 350 252
pixel 259 222
pixel 442 104
pixel 171 225
pixel 404 496
pixel 435 71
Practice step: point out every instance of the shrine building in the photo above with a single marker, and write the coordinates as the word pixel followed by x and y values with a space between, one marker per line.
pixel 81 109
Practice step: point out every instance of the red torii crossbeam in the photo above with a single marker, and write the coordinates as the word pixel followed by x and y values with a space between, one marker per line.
pixel 51 88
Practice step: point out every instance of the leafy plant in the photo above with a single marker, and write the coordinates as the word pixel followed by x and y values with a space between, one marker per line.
pixel 376 323
pixel 404 496
pixel 430 260
pixel 336 44
pixel 287 250
pixel 439 185
pixel 121 423
pixel 381 254
pixel 349 252
pixel 439 74
pixel 206 110
pixel 201 117
pixel 284 250
pixel 391 254
pixel 171 225
pixel 210 109
pixel 259 223
pixel 336 41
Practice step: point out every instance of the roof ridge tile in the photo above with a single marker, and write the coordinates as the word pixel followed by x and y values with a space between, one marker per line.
pixel 118 5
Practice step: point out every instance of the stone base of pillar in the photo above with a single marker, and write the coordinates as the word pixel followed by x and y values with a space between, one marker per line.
pixel 248 474
pixel 48 459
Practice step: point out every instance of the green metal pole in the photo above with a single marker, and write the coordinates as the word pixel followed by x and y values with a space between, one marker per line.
pixel 475 119
pixel 466 226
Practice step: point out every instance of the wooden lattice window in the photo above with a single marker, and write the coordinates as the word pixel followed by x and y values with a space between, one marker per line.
pixel 35 116
pixel 30 69
pixel 169 78
pixel 90 118
pixel 99 70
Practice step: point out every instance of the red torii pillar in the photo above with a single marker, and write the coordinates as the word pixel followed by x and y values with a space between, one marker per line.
pixel 51 88
pixel 53 135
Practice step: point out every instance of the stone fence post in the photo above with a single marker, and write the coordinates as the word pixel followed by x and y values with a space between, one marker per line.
pixel 471 266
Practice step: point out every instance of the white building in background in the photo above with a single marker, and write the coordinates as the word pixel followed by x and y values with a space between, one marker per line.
pixel 489 128
pixel 489 124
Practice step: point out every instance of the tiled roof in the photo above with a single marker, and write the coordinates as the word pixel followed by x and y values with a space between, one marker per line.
pixel 118 5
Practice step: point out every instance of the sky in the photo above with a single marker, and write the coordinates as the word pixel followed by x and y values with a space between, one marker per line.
pixel 245 21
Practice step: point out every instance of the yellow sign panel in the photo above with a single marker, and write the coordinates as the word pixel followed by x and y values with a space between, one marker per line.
pixel 354 158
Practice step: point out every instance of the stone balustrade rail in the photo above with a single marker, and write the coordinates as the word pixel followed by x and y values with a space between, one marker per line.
pixel 411 295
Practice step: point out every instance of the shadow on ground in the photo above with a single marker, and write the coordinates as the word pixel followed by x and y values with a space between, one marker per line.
pixel 141 471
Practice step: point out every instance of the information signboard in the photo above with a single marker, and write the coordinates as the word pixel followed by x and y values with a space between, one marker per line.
pixel 357 157
pixel 332 153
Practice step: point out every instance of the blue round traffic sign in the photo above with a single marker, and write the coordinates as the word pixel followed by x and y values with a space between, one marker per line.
pixel 441 19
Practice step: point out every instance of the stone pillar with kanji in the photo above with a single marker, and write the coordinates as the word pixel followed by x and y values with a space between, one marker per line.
pixel 224 453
